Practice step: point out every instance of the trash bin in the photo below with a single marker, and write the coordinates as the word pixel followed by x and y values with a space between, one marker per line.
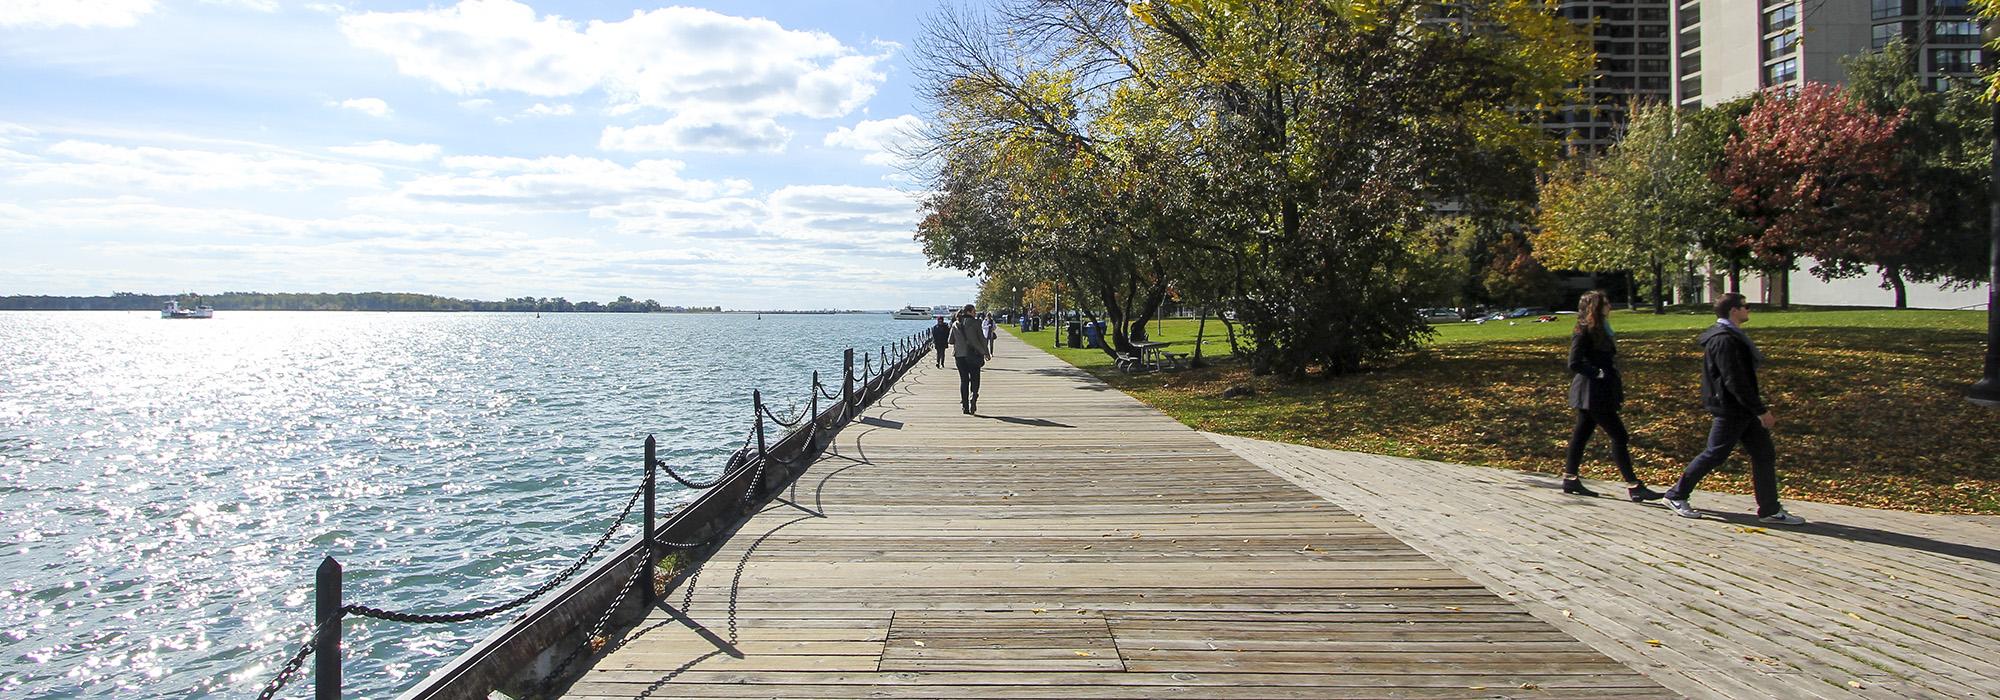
pixel 1075 334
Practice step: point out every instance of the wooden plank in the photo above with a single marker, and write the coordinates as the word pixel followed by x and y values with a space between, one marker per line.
pixel 1070 542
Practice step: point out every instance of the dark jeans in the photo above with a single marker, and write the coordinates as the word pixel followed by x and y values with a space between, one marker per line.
pixel 1723 436
pixel 968 376
pixel 941 348
pixel 1614 428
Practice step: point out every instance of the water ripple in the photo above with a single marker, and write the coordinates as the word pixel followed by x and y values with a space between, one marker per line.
pixel 167 488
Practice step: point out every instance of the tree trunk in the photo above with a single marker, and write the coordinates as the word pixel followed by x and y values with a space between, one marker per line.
pixel 1631 291
pixel 1895 277
pixel 1735 276
pixel 1659 284
pixel 1200 329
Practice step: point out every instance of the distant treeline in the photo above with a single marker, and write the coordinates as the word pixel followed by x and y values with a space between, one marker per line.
pixel 345 301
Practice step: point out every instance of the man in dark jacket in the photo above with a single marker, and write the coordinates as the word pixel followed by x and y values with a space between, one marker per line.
pixel 941 338
pixel 1729 391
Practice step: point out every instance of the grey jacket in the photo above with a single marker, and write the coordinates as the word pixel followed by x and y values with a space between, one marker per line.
pixel 968 339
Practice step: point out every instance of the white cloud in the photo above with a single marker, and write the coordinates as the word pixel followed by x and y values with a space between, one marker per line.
pixel 555 183
pixel 391 150
pixel 371 106
pixel 73 13
pixel 476 103
pixel 97 165
pixel 848 219
pixel 696 132
pixel 258 5
pixel 674 58
pixel 542 110
pixel 880 138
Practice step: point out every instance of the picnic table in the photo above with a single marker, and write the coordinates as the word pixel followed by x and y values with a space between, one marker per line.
pixel 1152 356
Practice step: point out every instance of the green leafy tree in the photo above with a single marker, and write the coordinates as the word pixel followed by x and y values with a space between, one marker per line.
pixel 1947 147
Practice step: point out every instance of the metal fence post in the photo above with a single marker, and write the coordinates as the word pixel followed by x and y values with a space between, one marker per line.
pixel 646 536
pixel 326 640
pixel 814 416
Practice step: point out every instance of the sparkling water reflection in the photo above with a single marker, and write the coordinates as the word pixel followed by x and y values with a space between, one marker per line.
pixel 166 487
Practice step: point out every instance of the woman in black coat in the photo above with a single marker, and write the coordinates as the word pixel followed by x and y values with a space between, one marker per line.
pixel 1596 391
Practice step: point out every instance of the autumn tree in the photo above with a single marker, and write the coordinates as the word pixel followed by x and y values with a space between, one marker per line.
pixel 1820 176
pixel 1647 204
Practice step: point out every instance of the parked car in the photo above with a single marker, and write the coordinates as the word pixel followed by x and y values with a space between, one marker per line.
pixel 1439 315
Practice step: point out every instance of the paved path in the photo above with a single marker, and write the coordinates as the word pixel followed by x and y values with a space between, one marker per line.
pixel 1068 543
pixel 1859 603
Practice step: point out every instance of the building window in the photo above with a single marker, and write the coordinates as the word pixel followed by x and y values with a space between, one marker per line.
pixel 1653 31
pixel 1691 87
pixel 1882 33
pixel 1781 18
pixel 1690 16
pixel 1652 65
pixel 1949 7
pixel 1653 48
pixel 1781 72
pixel 1954 60
pixel 1652 14
pixel 1956 31
pixel 1782 44
pixel 1691 65
pixel 1657 83
pixel 1884 9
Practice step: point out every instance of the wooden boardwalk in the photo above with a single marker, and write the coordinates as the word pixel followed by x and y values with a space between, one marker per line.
pixel 1860 603
pixel 1068 543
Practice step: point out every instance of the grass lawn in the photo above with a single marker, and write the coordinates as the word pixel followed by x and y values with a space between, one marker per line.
pixel 1870 404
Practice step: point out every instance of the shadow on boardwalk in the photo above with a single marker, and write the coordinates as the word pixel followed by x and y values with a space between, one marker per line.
pixel 1860 603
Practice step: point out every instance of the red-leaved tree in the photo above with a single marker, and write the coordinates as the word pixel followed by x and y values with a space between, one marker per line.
pixel 1820 176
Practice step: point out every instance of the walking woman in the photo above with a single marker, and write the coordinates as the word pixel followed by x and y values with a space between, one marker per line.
pixel 969 350
pixel 1597 392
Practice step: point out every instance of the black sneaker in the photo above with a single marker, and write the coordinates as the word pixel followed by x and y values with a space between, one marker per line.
pixel 1641 494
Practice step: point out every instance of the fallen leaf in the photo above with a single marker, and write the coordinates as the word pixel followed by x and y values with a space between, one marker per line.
pixel 1654 642
pixel 1852 615
pixel 920 643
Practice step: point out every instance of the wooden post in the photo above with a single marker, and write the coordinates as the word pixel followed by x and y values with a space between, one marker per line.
pixel 646 536
pixel 757 412
pixel 326 641
pixel 847 378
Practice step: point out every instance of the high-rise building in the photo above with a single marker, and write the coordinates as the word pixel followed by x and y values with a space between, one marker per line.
pixel 1633 39
pixel 1725 49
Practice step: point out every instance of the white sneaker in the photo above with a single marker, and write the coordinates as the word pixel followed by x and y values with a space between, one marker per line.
pixel 1680 507
pixel 1782 518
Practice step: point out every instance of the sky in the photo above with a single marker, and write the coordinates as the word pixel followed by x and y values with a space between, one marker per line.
pixel 736 153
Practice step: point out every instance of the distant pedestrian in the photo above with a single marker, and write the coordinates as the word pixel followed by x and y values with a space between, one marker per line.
pixel 992 332
pixel 941 337
pixel 1729 390
pixel 1597 392
pixel 968 343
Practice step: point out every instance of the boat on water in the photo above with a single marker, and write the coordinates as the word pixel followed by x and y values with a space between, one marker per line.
pixel 172 309
pixel 913 313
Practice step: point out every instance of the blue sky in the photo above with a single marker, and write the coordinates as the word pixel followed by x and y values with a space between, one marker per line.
pixel 733 153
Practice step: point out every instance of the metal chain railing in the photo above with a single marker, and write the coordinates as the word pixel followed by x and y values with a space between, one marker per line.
pixel 595 639
pixel 911 349
pixel 419 618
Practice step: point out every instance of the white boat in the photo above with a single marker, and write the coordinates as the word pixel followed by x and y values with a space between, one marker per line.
pixel 172 309
pixel 913 313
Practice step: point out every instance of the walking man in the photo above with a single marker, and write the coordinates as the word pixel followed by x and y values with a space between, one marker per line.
pixel 1729 390
pixel 941 339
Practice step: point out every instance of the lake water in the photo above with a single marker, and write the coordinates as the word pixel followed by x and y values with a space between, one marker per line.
pixel 168 486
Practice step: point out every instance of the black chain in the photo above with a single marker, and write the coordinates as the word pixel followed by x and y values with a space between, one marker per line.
pixel 590 640
pixel 396 616
pixel 793 423
pixel 290 667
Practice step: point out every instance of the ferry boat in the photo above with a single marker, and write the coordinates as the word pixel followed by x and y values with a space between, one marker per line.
pixel 913 313
pixel 172 309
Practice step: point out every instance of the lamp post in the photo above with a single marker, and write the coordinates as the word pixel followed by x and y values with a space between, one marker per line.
pixel 1987 391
